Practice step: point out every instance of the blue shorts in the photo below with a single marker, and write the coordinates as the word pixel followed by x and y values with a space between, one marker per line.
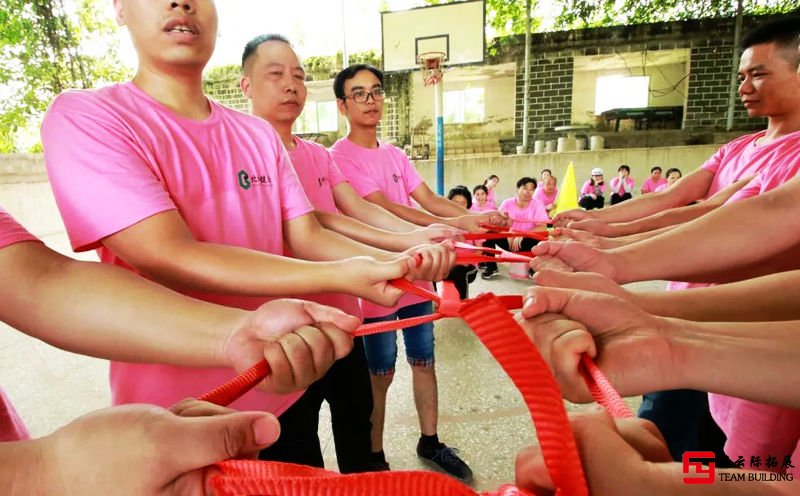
pixel 381 348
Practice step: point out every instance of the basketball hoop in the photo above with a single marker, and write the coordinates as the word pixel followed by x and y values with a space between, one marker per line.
pixel 431 64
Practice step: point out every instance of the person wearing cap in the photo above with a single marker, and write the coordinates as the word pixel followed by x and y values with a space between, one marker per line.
pixel 593 191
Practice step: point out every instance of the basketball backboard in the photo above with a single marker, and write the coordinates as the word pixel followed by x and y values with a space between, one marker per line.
pixel 457 29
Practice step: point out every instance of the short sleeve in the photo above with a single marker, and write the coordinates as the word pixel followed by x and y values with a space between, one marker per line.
pixel 100 177
pixel 335 176
pixel 12 232
pixel 713 163
pixel 294 202
pixel 363 185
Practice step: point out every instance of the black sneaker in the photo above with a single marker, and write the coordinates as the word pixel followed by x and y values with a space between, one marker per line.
pixel 446 458
pixel 489 272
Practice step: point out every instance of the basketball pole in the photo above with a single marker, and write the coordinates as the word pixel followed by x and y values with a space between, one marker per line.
pixel 438 104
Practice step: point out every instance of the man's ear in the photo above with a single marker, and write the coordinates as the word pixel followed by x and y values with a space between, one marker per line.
pixel 244 84
pixel 119 10
pixel 342 106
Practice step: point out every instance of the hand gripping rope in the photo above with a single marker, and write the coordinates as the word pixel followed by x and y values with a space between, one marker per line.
pixel 488 316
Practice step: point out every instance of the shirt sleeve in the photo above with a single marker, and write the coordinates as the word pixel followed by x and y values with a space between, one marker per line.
pixel 412 177
pixel 100 177
pixel 12 232
pixel 335 176
pixel 363 185
pixel 294 202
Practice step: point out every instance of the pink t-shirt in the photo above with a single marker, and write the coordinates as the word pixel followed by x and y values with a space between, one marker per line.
pixel 11 426
pixel 388 170
pixel 319 174
pixel 525 219
pixel 475 208
pixel 588 189
pixel 754 429
pixel 115 157
pixel 650 186
pixel 491 199
pixel 545 199
pixel 661 187
pixel 620 188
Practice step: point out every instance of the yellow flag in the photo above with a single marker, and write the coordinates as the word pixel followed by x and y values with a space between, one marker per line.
pixel 567 193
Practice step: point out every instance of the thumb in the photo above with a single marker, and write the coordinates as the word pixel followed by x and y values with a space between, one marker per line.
pixel 324 313
pixel 204 441
pixel 541 300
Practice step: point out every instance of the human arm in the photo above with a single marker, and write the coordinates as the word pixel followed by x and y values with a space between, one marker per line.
pixel 469 222
pixel 759 234
pixel 162 247
pixel 640 352
pixel 351 204
pixel 768 298
pixel 68 461
pixel 690 188
pixel 629 456
pixel 435 204
pixel 666 218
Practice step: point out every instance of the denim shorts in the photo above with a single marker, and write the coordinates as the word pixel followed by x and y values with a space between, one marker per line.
pixel 381 348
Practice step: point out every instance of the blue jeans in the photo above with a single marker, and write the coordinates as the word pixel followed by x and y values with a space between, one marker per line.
pixel 381 348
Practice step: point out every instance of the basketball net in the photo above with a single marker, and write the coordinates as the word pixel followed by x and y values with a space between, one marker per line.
pixel 432 67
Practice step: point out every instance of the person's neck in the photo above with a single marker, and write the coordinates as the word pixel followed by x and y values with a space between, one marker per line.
pixel 284 130
pixel 180 92
pixel 522 203
pixel 779 126
pixel 366 137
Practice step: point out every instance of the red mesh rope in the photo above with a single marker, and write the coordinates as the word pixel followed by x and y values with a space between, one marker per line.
pixel 488 316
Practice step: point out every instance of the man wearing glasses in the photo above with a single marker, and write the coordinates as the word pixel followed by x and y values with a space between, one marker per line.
pixel 382 174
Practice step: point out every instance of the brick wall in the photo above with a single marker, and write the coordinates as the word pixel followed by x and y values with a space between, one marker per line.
pixel 710 42
pixel 227 92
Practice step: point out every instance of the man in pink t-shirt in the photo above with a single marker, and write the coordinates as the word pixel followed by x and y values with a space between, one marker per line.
pixel 194 195
pixel 622 185
pixel 382 173
pixel 274 81
pixel 652 183
pixel 769 87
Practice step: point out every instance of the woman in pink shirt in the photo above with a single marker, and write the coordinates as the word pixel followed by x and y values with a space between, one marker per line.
pixel 491 183
pixel 547 192
pixel 480 199
pixel 654 181
pixel 526 214
pixel 673 175
pixel 622 185
pixel 593 191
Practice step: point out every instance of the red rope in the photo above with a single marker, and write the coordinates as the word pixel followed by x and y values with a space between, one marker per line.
pixel 488 316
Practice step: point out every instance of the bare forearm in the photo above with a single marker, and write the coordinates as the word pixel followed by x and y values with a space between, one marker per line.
pixel 364 233
pixel 418 217
pixel 22 469
pixel 729 358
pixel 102 311
pixel 728 237
pixel 314 242
pixel 667 218
pixel 608 243
pixel 443 207
pixel 367 212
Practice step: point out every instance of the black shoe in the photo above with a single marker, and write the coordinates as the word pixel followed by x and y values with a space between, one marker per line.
pixel 446 459
pixel 482 266
pixel 378 466
pixel 489 272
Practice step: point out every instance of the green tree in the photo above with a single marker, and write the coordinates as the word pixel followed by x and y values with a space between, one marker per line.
pixel 47 46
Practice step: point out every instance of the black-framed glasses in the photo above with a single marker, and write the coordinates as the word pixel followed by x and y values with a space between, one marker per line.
pixel 362 96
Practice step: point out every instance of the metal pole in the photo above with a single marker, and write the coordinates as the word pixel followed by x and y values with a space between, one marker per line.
pixel 438 104
pixel 527 82
pixel 732 94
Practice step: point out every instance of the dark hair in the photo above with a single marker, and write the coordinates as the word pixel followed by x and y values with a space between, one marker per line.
pixel 656 168
pixel 546 170
pixel 784 31
pixel 350 73
pixel 525 180
pixel 480 187
pixel 670 171
pixel 493 176
pixel 252 45
pixel 463 191
pixel 625 167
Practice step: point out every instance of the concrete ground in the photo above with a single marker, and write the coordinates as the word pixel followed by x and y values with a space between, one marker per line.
pixel 481 412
